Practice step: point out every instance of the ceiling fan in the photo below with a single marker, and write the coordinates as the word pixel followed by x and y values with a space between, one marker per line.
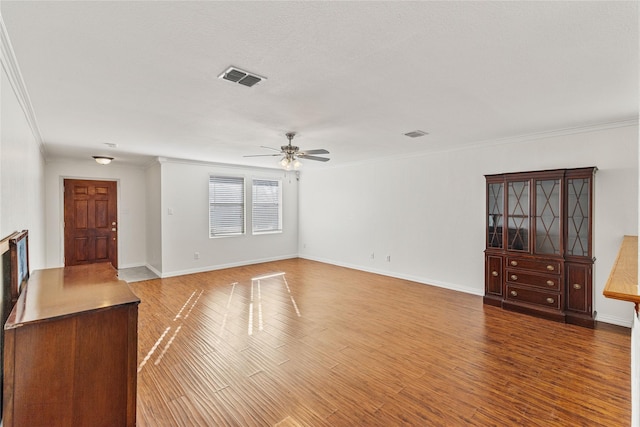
pixel 290 154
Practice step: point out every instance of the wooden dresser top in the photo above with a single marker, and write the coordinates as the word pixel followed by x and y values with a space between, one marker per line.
pixel 57 292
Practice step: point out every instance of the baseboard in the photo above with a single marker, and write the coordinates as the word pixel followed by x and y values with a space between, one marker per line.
pixel 627 323
pixel 154 270
pixel 396 275
pixel 120 267
pixel 204 269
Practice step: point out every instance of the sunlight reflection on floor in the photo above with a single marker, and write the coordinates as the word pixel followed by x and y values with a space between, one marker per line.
pixel 257 280
pixel 255 306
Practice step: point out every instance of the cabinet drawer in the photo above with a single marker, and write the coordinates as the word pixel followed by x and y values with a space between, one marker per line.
pixel 546 299
pixel 540 266
pixel 548 282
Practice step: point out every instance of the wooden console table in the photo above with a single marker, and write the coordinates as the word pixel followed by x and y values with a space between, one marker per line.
pixel 71 350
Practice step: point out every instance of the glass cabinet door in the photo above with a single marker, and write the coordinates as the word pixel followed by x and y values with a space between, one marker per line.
pixel 547 217
pixel 518 216
pixel 578 190
pixel 495 212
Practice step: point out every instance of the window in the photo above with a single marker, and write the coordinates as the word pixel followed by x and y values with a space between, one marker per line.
pixel 226 206
pixel 267 206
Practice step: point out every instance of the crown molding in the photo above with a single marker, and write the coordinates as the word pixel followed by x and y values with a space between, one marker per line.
pixel 632 121
pixel 163 160
pixel 12 70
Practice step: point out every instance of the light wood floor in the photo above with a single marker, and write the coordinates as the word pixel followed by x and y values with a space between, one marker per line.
pixel 320 345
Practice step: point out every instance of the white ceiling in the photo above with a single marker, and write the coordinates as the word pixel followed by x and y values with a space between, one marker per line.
pixel 351 77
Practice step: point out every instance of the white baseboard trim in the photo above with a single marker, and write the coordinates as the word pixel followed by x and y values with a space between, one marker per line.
pixel 615 321
pixel 155 271
pixel 135 265
pixel 417 279
pixel 204 269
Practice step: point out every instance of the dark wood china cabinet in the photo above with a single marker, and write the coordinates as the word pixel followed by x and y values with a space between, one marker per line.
pixel 538 256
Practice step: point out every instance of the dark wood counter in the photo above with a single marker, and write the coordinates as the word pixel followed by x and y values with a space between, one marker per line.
pixel 56 292
pixel 71 350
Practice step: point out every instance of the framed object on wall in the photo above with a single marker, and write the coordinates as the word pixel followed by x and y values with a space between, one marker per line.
pixel 19 250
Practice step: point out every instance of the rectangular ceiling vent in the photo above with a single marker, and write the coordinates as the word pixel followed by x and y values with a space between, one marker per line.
pixel 237 75
pixel 416 134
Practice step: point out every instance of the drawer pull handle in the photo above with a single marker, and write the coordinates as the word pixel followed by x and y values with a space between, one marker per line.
pixel 494 273
pixel 577 286
pixel 550 300
pixel 550 283
pixel 550 267
pixel 514 293
pixel 514 277
pixel 514 263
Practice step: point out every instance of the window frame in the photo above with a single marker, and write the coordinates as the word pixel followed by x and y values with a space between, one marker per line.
pixel 212 203
pixel 280 187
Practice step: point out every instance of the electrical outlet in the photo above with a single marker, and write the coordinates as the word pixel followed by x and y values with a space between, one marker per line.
pixel 196 255
pixel 388 258
pixel 373 255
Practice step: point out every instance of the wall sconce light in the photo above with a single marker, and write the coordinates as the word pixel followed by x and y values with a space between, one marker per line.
pixel 103 160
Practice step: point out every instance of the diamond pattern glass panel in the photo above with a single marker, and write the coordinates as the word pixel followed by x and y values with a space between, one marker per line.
pixel 578 215
pixel 496 215
pixel 548 216
pixel 518 205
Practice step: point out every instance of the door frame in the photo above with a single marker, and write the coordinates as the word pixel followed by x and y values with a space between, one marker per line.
pixel 61 210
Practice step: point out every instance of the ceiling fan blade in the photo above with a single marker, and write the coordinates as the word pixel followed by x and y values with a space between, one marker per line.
pixel 320 159
pixel 262 155
pixel 317 151
pixel 270 148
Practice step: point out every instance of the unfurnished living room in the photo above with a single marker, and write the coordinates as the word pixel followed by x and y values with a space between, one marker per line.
pixel 319 213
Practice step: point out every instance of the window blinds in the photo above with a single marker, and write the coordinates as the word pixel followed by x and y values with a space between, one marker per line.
pixel 267 201
pixel 226 206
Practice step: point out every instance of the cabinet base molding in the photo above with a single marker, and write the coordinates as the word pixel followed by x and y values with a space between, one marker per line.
pixel 534 311
pixel 492 300
pixel 580 320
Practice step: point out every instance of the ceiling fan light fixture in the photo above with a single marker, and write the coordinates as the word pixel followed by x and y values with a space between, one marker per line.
pixel 102 160
pixel 291 154
pixel 289 162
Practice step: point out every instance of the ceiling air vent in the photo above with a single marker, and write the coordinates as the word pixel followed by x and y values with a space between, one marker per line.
pixel 416 134
pixel 237 75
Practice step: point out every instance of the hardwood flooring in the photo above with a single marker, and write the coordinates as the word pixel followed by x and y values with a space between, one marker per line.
pixel 300 343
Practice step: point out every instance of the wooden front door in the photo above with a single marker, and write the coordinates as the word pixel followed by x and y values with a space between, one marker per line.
pixel 90 222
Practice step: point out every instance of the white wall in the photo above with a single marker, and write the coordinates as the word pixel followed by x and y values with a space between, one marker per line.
pixel 427 212
pixel 21 173
pixel 131 208
pixel 635 354
pixel 185 191
pixel 153 223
